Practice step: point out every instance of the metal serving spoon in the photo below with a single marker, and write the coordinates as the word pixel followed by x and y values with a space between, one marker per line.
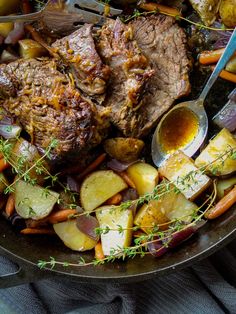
pixel 194 108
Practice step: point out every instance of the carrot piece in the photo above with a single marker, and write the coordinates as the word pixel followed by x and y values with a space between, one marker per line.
pixel 226 75
pixel 92 166
pixel 127 179
pixel 26 7
pixel 61 215
pixel 151 6
pixel 30 223
pixel 114 200
pixel 99 251
pixel 210 56
pixel 223 205
pixel 3 164
pixel 37 231
pixel 37 37
pixel 10 205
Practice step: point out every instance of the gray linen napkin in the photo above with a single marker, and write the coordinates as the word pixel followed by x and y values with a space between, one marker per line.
pixel 207 287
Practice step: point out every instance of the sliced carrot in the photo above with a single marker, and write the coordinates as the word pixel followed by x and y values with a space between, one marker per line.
pixel 93 166
pixel 151 6
pixel 3 164
pixel 210 56
pixel 226 75
pixel 99 251
pixel 127 179
pixel 37 231
pixel 61 215
pixel 10 205
pixel 223 205
pixel 114 200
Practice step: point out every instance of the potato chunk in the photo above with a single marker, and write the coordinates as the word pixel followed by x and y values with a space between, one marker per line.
pixel 224 186
pixel 113 217
pixel 9 6
pixel 171 205
pixel 180 169
pixel 124 149
pixel 223 142
pixel 144 176
pixel 6 28
pixel 30 48
pixel 72 237
pixel 32 201
pixel 207 9
pixel 98 187
pixel 228 12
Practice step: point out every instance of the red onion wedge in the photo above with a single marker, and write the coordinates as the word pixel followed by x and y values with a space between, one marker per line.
pixel 87 224
pixel 73 185
pixel 118 166
pixel 157 248
pixel 226 117
pixel 180 236
pixel 16 34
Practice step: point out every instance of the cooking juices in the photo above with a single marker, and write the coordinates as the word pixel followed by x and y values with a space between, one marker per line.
pixel 178 130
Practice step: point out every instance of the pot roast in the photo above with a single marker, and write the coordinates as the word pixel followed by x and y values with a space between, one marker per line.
pixel 138 70
pixel 131 51
pixel 49 107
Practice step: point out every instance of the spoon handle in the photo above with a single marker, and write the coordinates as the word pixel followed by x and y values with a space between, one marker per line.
pixel 229 50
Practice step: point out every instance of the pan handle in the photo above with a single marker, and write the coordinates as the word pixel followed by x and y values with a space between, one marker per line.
pixel 24 274
pixel 12 279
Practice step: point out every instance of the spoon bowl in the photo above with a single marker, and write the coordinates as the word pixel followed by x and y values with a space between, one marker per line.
pixel 176 122
pixel 159 153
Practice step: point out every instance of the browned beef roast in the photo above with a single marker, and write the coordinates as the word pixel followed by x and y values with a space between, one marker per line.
pixel 79 52
pixel 130 70
pixel 123 47
pixel 49 107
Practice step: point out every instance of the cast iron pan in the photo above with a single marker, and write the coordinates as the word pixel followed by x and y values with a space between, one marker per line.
pixel 25 251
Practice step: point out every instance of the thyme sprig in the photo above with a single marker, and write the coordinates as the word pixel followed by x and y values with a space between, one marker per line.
pixel 138 13
pixel 140 243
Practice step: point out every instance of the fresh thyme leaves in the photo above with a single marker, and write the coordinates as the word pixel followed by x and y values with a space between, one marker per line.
pixel 141 242
pixel 138 13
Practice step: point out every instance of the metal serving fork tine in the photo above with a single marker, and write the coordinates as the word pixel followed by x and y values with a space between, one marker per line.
pixel 64 16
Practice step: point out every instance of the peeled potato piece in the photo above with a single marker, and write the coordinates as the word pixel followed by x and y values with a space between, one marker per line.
pixel 180 170
pixel 30 48
pixel 72 237
pixel 150 215
pixel 114 217
pixel 144 176
pixel 171 205
pixel 223 142
pixel 98 187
